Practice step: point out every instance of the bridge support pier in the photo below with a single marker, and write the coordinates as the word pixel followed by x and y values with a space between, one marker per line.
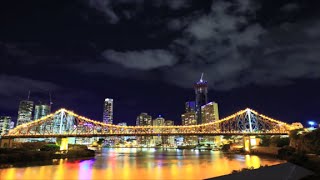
pixel 63 143
pixel 247 143
pixel 6 143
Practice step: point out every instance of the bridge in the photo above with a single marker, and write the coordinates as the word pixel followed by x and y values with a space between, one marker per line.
pixel 64 123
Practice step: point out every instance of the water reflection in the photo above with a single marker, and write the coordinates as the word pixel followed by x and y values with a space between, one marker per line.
pixel 129 163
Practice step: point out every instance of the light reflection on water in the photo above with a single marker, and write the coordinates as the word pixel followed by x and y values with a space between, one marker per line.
pixel 131 163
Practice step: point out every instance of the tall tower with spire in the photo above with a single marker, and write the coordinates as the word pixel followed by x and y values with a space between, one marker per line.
pixel 201 92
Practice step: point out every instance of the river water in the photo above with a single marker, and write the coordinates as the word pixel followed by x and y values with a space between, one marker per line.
pixel 141 163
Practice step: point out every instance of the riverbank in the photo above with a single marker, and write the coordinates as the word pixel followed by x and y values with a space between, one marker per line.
pixel 9 156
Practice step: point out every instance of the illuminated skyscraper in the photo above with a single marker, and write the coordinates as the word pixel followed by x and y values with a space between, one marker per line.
pixel 190 106
pixel 25 112
pixel 108 111
pixel 41 110
pixel 210 112
pixel 5 123
pixel 159 121
pixel 144 120
pixel 201 91
pixel 168 140
pixel 189 118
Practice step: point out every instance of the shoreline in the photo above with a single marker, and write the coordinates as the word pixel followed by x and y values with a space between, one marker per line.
pixel 47 162
pixel 15 158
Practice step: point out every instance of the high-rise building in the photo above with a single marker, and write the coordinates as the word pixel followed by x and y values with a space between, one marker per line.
pixel 168 123
pixel 189 118
pixel 168 140
pixel 210 112
pixel 159 121
pixel 5 123
pixel 108 111
pixel 190 106
pixel 25 112
pixel 201 91
pixel 123 138
pixel 144 120
pixel 41 110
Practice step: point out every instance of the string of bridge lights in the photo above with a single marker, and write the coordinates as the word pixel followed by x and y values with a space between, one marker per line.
pixel 63 110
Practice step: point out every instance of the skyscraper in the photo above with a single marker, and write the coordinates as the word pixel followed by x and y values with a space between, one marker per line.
pixel 159 121
pixel 201 91
pixel 25 112
pixel 41 110
pixel 210 112
pixel 5 123
pixel 144 120
pixel 168 140
pixel 189 118
pixel 108 111
pixel 190 106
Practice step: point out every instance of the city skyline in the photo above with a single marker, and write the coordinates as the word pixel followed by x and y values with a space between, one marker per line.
pixel 147 55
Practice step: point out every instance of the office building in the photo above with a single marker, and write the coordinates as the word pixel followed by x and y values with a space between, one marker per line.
pixel 189 118
pixel 169 140
pixel 190 106
pixel 122 139
pixel 108 111
pixel 159 121
pixel 41 110
pixel 144 120
pixel 210 112
pixel 168 123
pixel 5 123
pixel 25 112
pixel 201 92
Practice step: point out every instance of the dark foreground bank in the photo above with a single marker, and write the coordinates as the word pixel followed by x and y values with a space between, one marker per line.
pixel 32 152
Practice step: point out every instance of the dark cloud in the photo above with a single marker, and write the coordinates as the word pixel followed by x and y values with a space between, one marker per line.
pixel 115 10
pixel 14 89
pixel 290 7
pixel 143 60
pixel 232 48
pixel 13 85
pixel 227 42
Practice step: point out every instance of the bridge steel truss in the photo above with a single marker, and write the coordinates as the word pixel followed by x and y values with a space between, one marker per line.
pixel 64 123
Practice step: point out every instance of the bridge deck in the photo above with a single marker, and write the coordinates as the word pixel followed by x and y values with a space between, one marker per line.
pixel 142 134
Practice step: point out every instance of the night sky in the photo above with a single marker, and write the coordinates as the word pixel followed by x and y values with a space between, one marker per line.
pixel 146 55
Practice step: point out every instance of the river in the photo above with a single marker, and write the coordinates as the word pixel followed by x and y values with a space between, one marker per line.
pixel 137 163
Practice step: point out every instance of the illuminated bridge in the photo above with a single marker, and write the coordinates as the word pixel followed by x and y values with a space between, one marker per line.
pixel 64 123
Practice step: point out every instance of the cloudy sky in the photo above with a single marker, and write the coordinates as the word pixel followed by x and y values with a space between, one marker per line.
pixel 146 55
